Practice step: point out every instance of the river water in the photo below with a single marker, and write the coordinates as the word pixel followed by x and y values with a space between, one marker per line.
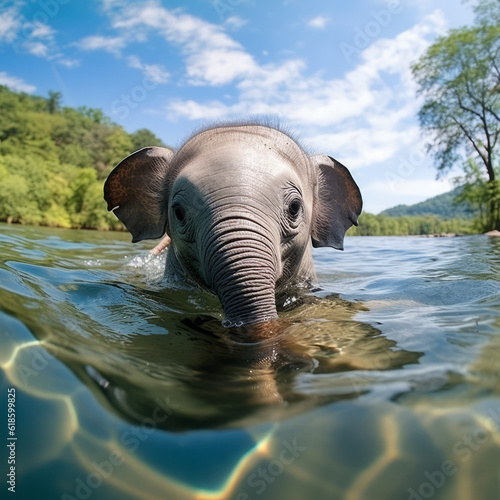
pixel 382 384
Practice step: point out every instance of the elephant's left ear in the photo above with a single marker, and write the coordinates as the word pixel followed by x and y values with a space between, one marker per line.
pixel 135 191
pixel 337 203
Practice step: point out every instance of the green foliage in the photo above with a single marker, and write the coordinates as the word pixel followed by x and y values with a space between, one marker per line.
pixel 459 79
pixel 144 137
pixel 487 12
pixel 53 161
pixel 14 204
pixel 54 102
pixel 481 193
pixel 446 206
pixel 383 225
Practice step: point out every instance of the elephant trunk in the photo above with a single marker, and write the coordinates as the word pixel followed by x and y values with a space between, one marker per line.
pixel 246 298
pixel 242 267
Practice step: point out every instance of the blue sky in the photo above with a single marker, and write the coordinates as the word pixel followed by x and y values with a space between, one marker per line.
pixel 336 72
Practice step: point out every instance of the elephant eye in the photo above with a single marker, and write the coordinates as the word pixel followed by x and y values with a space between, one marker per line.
pixel 294 208
pixel 179 212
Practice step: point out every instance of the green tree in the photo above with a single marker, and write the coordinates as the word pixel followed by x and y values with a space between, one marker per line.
pixel 53 161
pixel 383 225
pixel 96 115
pixel 481 193
pixel 459 79
pixel 144 137
pixel 54 102
pixel 13 196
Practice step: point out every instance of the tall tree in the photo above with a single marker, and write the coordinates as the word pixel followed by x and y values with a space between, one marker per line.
pixel 54 102
pixel 459 80
pixel 144 137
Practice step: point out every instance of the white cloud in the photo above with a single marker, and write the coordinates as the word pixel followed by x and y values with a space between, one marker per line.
pixel 318 22
pixel 15 83
pixel 111 4
pixel 196 111
pixel 235 22
pixel 41 30
pixel 32 37
pixel 364 118
pixel 212 56
pixel 367 145
pixel 9 25
pixel 38 49
pixel 107 43
pixel 314 101
pixel 69 63
pixel 156 73
pixel 39 40
pixel 11 22
pixel 134 62
pixel 219 66
pixel 410 189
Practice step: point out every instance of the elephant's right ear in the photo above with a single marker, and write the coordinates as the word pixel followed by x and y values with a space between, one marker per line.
pixel 135 192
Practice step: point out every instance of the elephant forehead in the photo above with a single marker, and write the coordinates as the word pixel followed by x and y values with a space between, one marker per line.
pixel 233 164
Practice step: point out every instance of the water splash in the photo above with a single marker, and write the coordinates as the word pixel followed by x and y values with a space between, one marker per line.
pixel 92 263
pixel 152 267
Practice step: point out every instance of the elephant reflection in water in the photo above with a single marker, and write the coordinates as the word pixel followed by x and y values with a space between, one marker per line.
pixel 205 376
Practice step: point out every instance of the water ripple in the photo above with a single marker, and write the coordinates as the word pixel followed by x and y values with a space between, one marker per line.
pixel 368 386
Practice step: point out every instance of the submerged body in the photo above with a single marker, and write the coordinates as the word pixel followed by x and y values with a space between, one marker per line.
pixel 243 205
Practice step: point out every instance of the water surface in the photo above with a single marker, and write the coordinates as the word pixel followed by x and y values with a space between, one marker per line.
pixel 382 384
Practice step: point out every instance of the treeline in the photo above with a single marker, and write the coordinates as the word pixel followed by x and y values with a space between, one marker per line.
pixel 383 225
pixel 54 160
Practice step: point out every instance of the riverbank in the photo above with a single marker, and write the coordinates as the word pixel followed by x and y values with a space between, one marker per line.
pixel 398 222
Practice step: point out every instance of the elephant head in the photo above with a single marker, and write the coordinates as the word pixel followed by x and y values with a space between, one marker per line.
pixel 243 205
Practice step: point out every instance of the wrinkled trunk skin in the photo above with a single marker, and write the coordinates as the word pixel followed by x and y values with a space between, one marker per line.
pixel 246 298
pixel 241 268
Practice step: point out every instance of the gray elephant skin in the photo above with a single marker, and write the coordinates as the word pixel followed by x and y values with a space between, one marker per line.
pixel 243 205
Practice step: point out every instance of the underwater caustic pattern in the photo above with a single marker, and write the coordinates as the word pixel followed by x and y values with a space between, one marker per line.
pixel 382 384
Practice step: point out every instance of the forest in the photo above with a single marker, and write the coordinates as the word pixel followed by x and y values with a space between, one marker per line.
pixel 383 225
pixel 54 161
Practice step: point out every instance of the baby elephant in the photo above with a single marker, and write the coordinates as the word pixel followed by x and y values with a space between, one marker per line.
pixel 242 205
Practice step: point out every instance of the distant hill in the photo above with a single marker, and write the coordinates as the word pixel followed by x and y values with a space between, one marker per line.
pixel 442 206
